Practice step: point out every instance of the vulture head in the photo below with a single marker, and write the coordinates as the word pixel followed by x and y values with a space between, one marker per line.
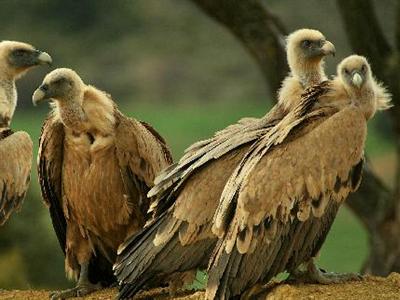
pixel 16 58
pixel 306 49
pixel 61 85
pixel 354 71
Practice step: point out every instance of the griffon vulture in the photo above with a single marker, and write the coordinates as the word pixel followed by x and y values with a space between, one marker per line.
pixel 306 49
pixel 95 167
pixel 198 178
pixel 16 59
pixel 290 189
pixel 283 200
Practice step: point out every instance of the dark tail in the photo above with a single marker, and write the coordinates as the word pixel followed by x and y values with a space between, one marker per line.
pixel 223 267
pixel 135 257
pixel 139 260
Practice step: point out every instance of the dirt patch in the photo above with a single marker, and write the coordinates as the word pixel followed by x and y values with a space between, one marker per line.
pixel 41 295
pixel 371 288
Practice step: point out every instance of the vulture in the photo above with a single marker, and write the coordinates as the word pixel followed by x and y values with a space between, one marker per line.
pixel 265 207
pixel 199 178
pixel 16 59
pixel 306 49
pixel 95 167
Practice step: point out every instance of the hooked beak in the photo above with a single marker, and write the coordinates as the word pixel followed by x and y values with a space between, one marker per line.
pixel 40 94
pixel 328 49
pixel 44 58
pixel 357 79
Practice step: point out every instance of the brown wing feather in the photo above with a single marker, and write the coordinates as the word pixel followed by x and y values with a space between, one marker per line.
pixel 161 141
pixel 286 205
pixel 142 154
pixel 197 156
pixel 188 195
pixel 15 168
pixel 50 159
pixel 270 138
pixel 297 175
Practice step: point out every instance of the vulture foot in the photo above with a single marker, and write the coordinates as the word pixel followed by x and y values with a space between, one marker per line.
pixel 313 274
pixel 78 291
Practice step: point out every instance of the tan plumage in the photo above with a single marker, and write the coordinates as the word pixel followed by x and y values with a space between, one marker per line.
pixel 15 170
pixel 95 168
pixel 305 49
pixel 16 59
pixel 187 193
pixel 290 189
pixel 289 196
pixel 306 65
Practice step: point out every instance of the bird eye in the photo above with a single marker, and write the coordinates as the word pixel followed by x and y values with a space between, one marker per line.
pixel 58 81
pixel 363 68
pixel 19 52
pixel 346 71
pixel 306 43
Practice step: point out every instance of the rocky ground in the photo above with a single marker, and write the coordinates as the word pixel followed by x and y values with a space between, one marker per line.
pixel 370 288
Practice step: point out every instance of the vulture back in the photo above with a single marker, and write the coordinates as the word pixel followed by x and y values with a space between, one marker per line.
pixel 15 169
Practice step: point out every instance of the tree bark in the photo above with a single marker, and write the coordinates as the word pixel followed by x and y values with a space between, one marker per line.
pixel 260 32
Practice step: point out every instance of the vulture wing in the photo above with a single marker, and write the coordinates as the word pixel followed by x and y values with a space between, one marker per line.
pixel 15 170
pixel 286 202
pixel 199 154
pixel 142 154
pixel 50 160
pixel 180 238
pixel 275 136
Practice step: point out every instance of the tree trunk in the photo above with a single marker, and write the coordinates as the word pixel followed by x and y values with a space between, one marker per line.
pixel 261 33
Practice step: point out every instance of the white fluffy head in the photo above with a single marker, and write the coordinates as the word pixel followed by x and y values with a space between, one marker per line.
pixel 354 71
pixel 306 49
pixel 16 58
pixel 61 84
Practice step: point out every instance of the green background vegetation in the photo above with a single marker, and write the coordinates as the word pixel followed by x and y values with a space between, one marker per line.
pixel 168 64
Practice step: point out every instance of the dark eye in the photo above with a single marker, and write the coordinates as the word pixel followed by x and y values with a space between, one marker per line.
pixel 306 43
pixel 58 81
pixel 346 71
pixel 19 52
pixel 363 68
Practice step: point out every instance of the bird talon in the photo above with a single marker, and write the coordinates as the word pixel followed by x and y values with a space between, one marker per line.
pixel 312 274
pixel 78 291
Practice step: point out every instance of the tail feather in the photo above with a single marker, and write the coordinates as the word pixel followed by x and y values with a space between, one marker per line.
pixel 137 253
pixel 230 274
pixel 140 259
pixel 127 291
pixel 223 268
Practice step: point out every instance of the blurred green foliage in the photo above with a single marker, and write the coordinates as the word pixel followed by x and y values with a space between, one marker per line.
pixel 166 63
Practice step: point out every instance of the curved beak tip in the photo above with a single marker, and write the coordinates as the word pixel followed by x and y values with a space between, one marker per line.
pixel 37 96
pixel 45 58
pixel 329 48
pixel 357 80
